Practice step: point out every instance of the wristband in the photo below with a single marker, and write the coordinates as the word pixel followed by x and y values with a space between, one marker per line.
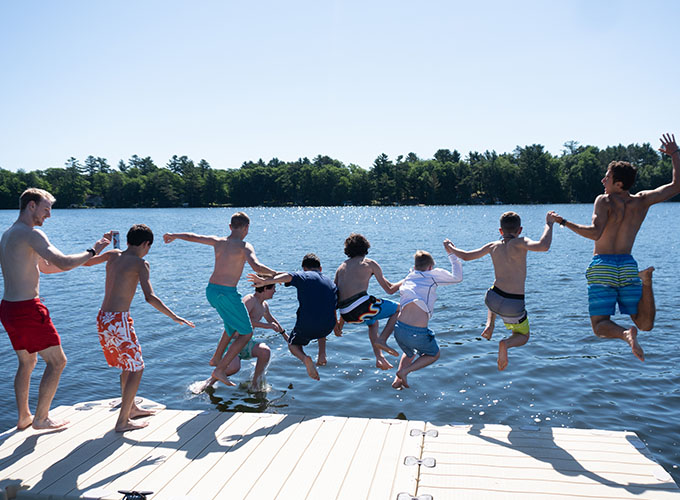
pixel 91 250
pixel 564 222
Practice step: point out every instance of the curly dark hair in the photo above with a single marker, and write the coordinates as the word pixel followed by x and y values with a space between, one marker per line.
pixel 356 245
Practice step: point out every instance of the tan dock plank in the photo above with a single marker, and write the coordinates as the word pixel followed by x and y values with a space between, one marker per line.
pixel 236 431
pixel 100 447
pixel 362 470
pixel 331 476
pixel 254 467
pixel 139 455
pixel 303 473
pixel 280 468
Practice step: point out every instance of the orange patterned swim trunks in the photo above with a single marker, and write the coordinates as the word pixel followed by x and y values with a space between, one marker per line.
pixel 119 342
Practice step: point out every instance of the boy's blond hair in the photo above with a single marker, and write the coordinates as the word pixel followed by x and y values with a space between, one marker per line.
pixel 422 260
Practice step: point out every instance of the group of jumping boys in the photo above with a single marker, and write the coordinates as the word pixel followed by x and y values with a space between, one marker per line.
pixel 25 251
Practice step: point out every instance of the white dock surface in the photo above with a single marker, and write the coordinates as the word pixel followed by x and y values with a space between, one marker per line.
pixel 202 455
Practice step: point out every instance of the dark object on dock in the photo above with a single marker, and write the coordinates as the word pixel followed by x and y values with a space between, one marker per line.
pixel 135 495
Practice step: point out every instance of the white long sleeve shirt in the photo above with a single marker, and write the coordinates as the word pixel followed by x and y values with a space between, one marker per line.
pixel 420 287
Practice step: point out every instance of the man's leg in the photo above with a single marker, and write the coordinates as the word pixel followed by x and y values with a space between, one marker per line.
pixel 262 353
pixel 380 361
pixel 22 384
pixel 129 383
pixel 220 371
pixel 422 361
pixel 404 362
pixel 604 327
pixel 321 358
pixel 387 331
pixel 299 353
pixel 514 340
pixel 221 346
pixel 644 319
pixel 55 360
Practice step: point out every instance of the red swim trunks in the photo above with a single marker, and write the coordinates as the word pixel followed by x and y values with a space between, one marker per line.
pixel 119 342
pixel 28 325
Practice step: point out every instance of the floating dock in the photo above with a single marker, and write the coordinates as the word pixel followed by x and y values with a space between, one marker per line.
pixel 202 455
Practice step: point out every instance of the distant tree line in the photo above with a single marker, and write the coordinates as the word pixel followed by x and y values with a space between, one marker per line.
pixel 527 175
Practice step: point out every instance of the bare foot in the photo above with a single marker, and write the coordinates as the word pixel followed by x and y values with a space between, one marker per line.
pixel 137 412
pixel 396 383
pixel 48 423
pixel 502 356
pixel 488 332
pixel 384 347
pixel 222 378
pixel 646 275
pixel 24 423
pixel 321 361
pixel 402 377
pixel 131 426
pixel 630 336
pixel 382 363
pixel 311 369
pixel 214 361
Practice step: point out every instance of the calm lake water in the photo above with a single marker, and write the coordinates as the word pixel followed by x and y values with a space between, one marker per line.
pixel 564 376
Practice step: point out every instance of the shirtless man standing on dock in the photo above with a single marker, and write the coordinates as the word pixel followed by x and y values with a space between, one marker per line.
pixel 25 252
pixel 613 273
pixel 231 254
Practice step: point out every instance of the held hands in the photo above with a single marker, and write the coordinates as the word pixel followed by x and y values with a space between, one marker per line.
pixel 182 321
pixel 668 145
pixel 337 329
pixel 169 237
pixel 256 280
pixel 552 217
pixel 276 327
pixel 449 246
pixel 101 243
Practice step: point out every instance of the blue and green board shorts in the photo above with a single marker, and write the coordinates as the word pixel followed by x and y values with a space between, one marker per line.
pixel 231 309
pixel 612 279
pixel 247 351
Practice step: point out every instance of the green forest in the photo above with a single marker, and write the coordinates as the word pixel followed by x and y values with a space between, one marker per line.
pixel 529 174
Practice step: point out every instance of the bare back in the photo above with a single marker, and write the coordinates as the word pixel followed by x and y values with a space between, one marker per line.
pixel 230 257
pixel 353 275
pixel 123 270
pixel 624 215
pixel 510 264
pixel 20 262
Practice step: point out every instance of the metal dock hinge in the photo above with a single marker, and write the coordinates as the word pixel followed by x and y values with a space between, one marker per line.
pixel 425 462
pixel 408 496
pixel 135 495
pixel 433 433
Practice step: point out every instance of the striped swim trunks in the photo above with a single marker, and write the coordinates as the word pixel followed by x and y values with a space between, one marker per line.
pixel 613 279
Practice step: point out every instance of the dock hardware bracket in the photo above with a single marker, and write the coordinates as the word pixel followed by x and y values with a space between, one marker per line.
pixel 433 433
pixel 408 496
pixel 425 462
pixel 135 495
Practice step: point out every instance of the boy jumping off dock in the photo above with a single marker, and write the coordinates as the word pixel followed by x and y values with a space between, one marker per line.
pixel 354 303
pixel 317 298
pixel 418 294
pixel 124 269
pixel 231 254
pixel 506 297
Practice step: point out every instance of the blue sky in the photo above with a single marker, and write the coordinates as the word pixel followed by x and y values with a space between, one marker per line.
pixel 235 81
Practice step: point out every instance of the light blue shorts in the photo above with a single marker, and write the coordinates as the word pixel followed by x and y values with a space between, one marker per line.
pixel 231 309
pixel 414 339
pixel 613 279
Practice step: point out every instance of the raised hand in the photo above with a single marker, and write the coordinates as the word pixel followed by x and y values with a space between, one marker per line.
pixel 668 145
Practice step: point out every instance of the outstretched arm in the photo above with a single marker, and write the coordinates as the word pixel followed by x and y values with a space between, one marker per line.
pixel 255 264
pixel 54 261
pixel 151 298
pixel 662 193
pixel 543 244
pixel 191 237
pixel 272 320
pixel 465 254
pixel 277 278
pixel 595 229
pixel 386 285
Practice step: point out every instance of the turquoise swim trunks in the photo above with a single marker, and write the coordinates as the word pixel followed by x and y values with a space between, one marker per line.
pixel 247 351
pixel 613 279
pixel 231 309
